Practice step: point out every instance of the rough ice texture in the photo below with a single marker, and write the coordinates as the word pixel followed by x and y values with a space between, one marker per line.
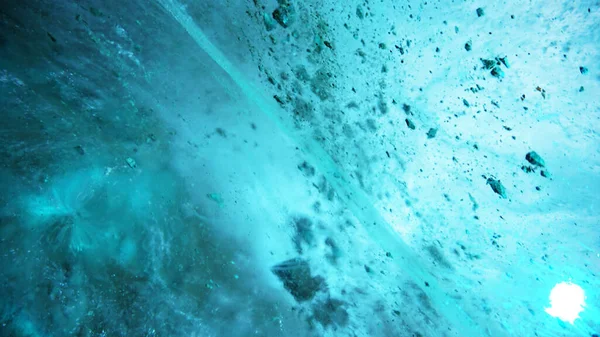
pixel 153 179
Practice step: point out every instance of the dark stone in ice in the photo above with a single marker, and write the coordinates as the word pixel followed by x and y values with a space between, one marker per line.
pixel 488 64
pixel 535 159
pixel 284 14
pixel 497 187
pixel 431 133
pixel 296 278
pixel 468 46
pixel 79 149
pixel 497 72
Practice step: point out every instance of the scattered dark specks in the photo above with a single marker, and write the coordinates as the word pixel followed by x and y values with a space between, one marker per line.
pixel 497 187
pixel 307 169
pixel 438 257
pixel 495 239
pixel 527 169
pixel 410 124
pixel 542 91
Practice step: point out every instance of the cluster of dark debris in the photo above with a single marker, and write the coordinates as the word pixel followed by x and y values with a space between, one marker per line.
pixel 495 65
pixel 535 162
pixel 298 279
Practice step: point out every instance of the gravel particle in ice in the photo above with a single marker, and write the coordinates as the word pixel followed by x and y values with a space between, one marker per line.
pixel 131 162
pixel 497 187
pixel 535 159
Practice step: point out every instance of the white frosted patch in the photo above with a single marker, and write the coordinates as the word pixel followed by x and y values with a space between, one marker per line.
pixel 567 301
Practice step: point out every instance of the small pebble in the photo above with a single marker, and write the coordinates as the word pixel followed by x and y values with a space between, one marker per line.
pixel 131 162
pixel 468 46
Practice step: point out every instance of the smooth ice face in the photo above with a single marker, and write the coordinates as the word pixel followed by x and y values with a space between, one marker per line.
pixel 567 301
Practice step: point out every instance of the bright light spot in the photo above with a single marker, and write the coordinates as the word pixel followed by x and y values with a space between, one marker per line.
pixel 566 302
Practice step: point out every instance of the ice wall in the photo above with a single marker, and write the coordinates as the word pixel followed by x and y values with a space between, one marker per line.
pixel 297 168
